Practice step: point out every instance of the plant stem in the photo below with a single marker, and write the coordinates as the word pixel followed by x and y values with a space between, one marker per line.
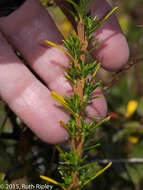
pixel 78 88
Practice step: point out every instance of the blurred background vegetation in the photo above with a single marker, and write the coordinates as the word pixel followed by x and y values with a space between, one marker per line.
pixel 23 157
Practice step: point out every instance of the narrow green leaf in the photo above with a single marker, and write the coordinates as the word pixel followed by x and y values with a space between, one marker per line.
pixel 62 101
pixel 89 4
pixel 96 69
pixel 59 149
pixel 103 20
pixel 87 165
pixel 110 13
pixel 59 47
pixel 70 79
pixel 94 97
pixel 94 117
pixel 92 40
pixel 70 11
pixel 65 126
pixel 74 4
pixel 96 175
pixel 95 47
pixel 91 147
pixel 99 123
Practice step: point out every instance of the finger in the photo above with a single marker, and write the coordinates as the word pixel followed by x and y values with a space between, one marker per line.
pixel 113 51
pixel 28 31
pixel 100 102
pixel 28 98
pixel 27 35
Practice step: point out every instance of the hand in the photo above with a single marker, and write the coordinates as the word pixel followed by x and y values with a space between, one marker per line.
pixel 26 29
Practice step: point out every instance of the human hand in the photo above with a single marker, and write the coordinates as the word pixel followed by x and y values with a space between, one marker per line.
pixel 26 29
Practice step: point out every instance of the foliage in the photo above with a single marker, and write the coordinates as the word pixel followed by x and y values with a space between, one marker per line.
pixel 121 137
pixel 75 173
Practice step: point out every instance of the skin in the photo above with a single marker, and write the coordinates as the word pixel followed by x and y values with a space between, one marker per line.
pixel 24 93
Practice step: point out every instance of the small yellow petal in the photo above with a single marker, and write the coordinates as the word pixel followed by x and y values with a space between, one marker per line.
pixel 131 108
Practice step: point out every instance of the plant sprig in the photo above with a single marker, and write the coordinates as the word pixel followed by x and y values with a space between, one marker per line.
pixel 75 174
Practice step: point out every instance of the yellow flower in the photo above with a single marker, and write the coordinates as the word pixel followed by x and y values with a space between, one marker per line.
pixel 131 108
pixel 133 140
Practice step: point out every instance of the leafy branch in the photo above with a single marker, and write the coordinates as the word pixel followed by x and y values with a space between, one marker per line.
pixel 74 173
